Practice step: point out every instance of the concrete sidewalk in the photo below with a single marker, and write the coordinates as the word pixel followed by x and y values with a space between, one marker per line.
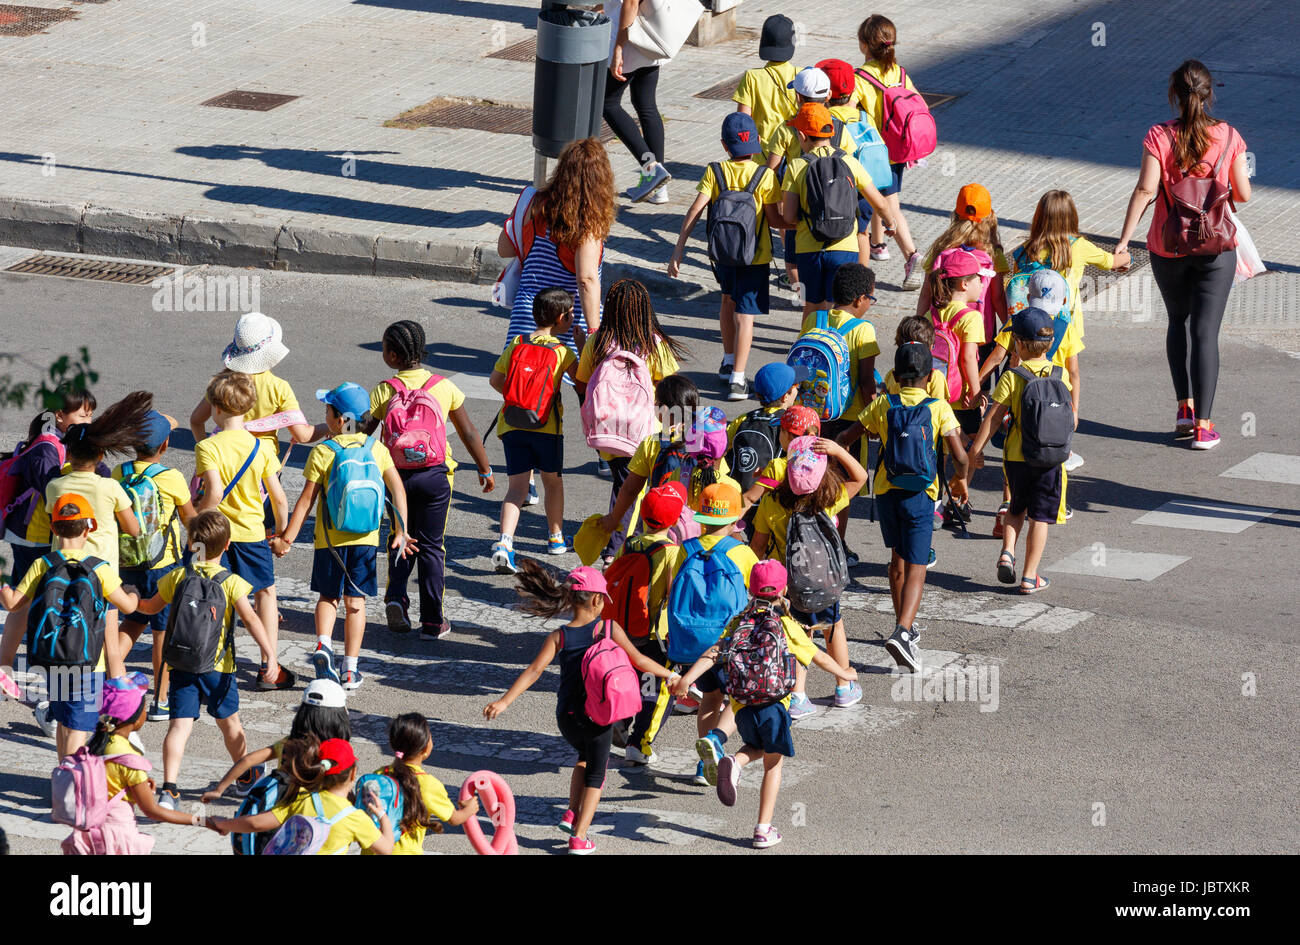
pixel 109 150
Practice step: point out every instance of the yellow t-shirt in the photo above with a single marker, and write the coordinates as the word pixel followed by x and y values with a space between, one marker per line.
pixel 642 464
pixel 874 419
pixel 773 473
pixel 796 640
pixel 226 452
pixel 736 175
pixel 319 463
pixel 765 91
pixel 234 587
pixel 106 498
pixel 118 776
pixel 555 419
pixel 1070 345
pixel 1083 253
pixel 109 581
pixel 274 396
pixel 785 141
pixel 869 98
pixel 436 802
pixel 173 493
pixel 862 344
pixel 773 519
pixel 444 392
pixel 935 385
pixel 1011 387
pixel 741 554
pixel 796 171
pixel 355 827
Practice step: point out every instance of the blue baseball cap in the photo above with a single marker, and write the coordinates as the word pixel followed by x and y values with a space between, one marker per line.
pixel 155 430
pixel 1049 291
pixel 350 400
pixel 740 135
pixel 1029 322
pixel 774 380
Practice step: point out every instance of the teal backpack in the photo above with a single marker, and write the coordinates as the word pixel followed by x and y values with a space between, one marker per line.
pixel 354 497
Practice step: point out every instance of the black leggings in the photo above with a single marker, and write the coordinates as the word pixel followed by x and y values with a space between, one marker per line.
pixel 1195 290
pixel 643 83
pixel 591 741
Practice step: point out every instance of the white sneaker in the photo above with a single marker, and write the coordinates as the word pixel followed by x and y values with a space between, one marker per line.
pixel 41 712
pixel 634 755
pixel 880 253
pixel 913 273
pixel 658 195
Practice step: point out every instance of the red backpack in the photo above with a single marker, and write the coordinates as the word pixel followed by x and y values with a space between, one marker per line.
pixel 11 491
pixel 629 579
pixel 530 384
pixel 947 351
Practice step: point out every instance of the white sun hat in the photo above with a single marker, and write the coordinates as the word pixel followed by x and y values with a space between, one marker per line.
pixel 257 346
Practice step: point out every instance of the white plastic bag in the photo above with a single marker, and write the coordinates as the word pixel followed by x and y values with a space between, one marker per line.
pixel 507 284
pixel 1249 262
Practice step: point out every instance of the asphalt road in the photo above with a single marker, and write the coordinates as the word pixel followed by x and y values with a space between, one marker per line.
pixel 1121 719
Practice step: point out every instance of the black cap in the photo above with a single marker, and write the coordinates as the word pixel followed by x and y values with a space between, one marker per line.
pixel 777 42
pixel 912 361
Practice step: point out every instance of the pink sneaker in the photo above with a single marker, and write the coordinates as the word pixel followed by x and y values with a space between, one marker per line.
pixel 566 822
pixel 766 837
pixel 9 687
pixel 581 846
pixel 1206 438
pixel 1185 425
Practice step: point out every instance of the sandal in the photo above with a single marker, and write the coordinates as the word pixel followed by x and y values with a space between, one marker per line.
pixel 1007 567
pixel 1033 585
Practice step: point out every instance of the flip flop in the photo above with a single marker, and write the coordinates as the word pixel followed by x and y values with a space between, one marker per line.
pixel 1007 567
pixel 1033 585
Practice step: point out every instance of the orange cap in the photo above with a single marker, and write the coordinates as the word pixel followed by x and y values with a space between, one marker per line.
pixel 814 120
pixel 974 202
pixel 720 504
pixel 70 506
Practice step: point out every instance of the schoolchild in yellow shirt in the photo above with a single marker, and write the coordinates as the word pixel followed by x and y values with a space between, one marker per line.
pixel 764 93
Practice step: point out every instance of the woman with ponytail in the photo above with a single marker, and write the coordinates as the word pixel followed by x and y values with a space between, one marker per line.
pixel 1193 282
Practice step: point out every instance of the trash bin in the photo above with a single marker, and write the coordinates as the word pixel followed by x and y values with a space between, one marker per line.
pixel 569 81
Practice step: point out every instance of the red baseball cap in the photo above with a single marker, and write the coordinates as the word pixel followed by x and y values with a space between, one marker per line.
pixel 338 753
pixel 799 420
pixel 841 75
pixel 662 506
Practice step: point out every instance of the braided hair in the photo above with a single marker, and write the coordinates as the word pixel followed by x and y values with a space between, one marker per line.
pixel 629 322
pixel 405 339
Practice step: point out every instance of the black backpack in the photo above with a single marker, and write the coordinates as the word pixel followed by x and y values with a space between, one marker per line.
pixel 196 623
pixel 831 196
pixel 815 561
pixel 1046 417
pixel 734 228
pixel 65 623
pixel 756 443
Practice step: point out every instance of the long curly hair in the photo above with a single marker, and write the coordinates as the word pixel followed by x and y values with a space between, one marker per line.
pixel 577 203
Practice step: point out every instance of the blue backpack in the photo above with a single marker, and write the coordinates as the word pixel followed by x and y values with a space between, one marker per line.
pixel 910 460
pixel 264 795
pixel 707 591
pixel 389 795
pixel 824 352
pixel 1017 292
pixel 354 497
pixel 870 150
pixel 65 623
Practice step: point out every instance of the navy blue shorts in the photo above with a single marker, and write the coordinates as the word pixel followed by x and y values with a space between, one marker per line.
pixel 145 580
pixel 1035 491
pixel 787 243
pixel 827 617
pixel 358 576
pixel 817 272
pixel 896 182
pixel 907 523
pixel 766 727
pixel 527 450
pixel 216 692
pixel 252 561
pixel 24 557
pixel 709 681
pixel 747 286
pixel 79 712
pixel 864 215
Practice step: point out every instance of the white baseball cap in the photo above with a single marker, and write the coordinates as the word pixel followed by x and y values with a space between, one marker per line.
pixel 325 693
pixel 812 83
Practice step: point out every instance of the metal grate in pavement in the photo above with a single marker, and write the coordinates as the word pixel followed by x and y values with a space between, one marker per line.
pixel 98 270
pixel 935 99
pixel 28 21
pixel 249 101
pixel 473 114
pixel 721 92
pixel 525 51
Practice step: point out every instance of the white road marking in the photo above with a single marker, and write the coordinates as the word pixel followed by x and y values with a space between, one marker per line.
pixel 1268 467
pixel 1204 516
pixel 1111 562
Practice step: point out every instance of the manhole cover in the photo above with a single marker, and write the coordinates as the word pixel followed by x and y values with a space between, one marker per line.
pixel 249 101
pixel 99 270
pixel 474 115
pixel 721 92
pixel 28 21
pixel 525 51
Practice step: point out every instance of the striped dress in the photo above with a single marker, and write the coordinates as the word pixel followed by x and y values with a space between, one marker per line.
pixel 542 270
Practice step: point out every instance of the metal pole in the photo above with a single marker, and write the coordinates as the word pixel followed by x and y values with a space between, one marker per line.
pixel 539 169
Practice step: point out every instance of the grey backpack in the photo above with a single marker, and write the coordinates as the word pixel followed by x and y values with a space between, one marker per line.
pixel 815 562
pixel 733 227
pixel 1046 417
pixel 831 196
pixel 196 623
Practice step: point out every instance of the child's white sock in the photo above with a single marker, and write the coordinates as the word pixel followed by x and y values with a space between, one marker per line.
pixel 350 663
pixel 729 359
pixel 507 541
pixel 324 641
pixel 557 536
pixel 737 377
pixel 764 828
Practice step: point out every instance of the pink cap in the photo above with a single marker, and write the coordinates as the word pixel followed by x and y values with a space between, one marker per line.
pixel 964 261
pixel 123 696
pixel 588 579
pixel 806 467
pixel 768 578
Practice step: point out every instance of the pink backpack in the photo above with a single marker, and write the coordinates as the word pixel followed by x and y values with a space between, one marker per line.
pixel 907 127
pixel 613 686
pixel 947 351
pixel 414 429
pixel 10 484
pixel 619 409
pixel 79 786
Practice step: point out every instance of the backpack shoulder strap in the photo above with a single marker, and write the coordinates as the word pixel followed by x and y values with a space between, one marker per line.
pixel 128 470
pixel 1023 373
pixel 428 385
pixel 397 384
pixel 870 78
pixel 902 78
pixel 1056 373
pixel 718 179
pixel 851 325
pixel 895 401
pixel 755 179
pixel 823 318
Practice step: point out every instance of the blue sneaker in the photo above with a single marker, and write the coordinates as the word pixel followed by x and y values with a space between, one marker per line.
pixel 555 545
pixel 352 679
pixel 322 660
pixel 699 778
pixel 503 559
pixel 533 498
pixel 846 696
pixel 710 750
pixel 932 560
pixel 801 707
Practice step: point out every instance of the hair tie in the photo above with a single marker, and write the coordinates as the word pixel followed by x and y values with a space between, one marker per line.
pixel 326 764
pixel 398 755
